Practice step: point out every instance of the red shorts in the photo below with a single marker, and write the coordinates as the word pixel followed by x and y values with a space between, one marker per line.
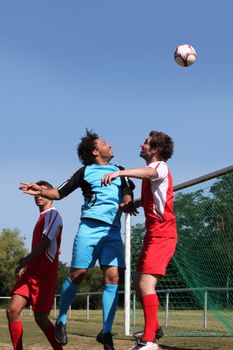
pixel 156 254
pixel 39 291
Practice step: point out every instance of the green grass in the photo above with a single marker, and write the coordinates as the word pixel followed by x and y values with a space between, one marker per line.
pixel 82 333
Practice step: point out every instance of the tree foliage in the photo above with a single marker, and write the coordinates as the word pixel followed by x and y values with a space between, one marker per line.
pixel 62 274
pixel 91 283
pixel 204 220
pixel 12 248
pixel 204 255
pixel 137 235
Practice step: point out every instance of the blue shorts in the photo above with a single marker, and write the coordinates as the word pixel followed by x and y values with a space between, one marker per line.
pixel 97 240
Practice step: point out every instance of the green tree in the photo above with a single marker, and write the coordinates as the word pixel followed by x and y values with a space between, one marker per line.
pixel 204 218
pixel 222 192
pixel 12 249
pixel 91 283
pixel 137 235
pixel 63 272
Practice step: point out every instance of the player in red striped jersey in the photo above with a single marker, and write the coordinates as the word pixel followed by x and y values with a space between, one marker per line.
pixel 161 235
pixel 37 274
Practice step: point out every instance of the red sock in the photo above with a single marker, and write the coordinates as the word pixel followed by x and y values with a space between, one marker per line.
pixel 150 305
pixel 49 332
pixel 157 325
pixel 16 332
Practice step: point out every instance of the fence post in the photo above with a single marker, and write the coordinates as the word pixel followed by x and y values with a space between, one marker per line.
pixel 206 309
pixel 167 308
pixel 88 306
pixel 134 308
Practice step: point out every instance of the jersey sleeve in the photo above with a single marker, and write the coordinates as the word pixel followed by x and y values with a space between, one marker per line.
pixel 125 181
pixel 75 181
pixel 161 169
pixel 52 224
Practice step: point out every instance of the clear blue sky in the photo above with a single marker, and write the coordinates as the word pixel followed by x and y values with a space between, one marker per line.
pixel 108 65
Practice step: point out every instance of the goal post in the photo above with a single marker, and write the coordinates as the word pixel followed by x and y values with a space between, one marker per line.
pixel 127 304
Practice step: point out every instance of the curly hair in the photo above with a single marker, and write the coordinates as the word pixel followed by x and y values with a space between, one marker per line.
pixel 86 146
pixel 44 183
pixel 163 143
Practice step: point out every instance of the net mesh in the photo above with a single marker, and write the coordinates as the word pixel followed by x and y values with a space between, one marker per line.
pixel 196 296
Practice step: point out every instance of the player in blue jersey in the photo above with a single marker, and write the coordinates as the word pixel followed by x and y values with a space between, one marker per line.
pixel 98 236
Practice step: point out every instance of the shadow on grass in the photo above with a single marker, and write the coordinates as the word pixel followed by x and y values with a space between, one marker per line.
pixel 166 347
pixel 161 346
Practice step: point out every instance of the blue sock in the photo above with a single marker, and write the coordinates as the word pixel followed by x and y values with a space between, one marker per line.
pixel 109 301
pixel 68 292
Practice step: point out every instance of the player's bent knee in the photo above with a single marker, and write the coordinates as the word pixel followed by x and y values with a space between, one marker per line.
pixel 12 313
pixel 111 279
pixel 77 275
pixel 111 275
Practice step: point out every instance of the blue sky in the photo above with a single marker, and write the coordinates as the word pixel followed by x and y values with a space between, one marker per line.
pixel 108 65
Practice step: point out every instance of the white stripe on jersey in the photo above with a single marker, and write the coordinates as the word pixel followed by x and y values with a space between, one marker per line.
pixel 159 187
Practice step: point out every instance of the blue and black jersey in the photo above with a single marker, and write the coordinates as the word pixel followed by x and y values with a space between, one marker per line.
pixel 100 202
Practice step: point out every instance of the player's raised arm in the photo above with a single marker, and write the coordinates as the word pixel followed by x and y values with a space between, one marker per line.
pixel 137 173
pixel 37 190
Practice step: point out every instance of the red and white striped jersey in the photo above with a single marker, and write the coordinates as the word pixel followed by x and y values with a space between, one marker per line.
pixel 157 201
pixel 49 224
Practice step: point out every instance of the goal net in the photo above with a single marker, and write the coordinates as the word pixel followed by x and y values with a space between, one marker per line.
pixel 196 296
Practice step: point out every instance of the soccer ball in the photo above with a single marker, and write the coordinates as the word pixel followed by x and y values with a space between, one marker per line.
pixel 185 55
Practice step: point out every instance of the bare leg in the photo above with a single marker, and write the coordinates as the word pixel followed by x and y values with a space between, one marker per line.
pixel 16 305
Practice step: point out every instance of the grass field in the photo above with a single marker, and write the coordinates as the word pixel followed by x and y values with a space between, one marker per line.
pixel 82 333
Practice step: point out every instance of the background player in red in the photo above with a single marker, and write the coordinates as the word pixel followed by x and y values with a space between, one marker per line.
pixel 37 274
pixel 161 235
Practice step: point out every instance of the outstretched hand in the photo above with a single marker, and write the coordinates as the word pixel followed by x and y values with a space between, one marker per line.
pixel 29 188
pixel 129 208
pixel 107 179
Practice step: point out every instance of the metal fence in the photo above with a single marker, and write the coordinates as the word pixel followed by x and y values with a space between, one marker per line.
pixel 164 294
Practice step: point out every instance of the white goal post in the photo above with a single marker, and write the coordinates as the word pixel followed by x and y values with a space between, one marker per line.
pixel 127 307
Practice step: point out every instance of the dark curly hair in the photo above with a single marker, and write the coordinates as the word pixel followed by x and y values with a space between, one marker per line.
pixel 163 143
pixel 86 146
pixel 44 183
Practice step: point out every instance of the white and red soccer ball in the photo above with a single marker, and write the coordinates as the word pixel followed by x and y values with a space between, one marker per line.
pixel 185 55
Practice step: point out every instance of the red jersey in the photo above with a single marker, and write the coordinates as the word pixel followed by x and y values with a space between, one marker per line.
pixel 157 201
pixel 49 224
